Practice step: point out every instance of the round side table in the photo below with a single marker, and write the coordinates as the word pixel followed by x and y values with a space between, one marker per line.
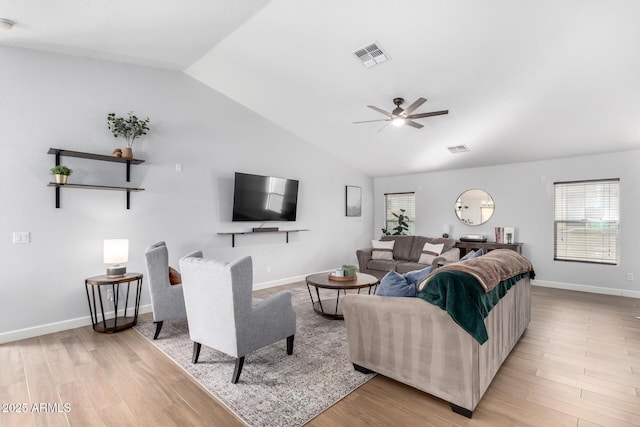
pixel 117 290
pixel 332 308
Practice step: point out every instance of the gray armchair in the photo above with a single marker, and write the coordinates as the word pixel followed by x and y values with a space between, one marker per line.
pixel 223 315
pixel 167 301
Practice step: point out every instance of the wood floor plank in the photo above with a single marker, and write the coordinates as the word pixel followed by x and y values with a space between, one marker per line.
pixel 118 415
pixel 32 351
pixel 11 364
pixel 206 407
pixel 76 350
pixel 17 410
pixel 82 412
pixel 47 408
pixel 101 392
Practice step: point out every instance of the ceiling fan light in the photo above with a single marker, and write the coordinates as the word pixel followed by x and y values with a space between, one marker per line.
pixel 398 121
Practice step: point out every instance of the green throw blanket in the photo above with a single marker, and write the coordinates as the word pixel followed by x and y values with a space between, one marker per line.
pixel 464 299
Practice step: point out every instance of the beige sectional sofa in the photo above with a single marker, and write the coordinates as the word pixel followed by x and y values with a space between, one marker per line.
pixel 419 344
pixel 406 254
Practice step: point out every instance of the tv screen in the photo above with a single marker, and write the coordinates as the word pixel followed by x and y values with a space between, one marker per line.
pixel 264 198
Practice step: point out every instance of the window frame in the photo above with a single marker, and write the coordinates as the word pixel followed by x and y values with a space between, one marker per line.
pixel 594 241
pixel 388 214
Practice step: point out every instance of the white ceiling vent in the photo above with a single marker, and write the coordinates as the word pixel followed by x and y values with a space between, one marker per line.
pixel 371 55
pixel 458 149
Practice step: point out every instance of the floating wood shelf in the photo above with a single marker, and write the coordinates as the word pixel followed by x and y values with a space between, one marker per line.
pixel 58 152
pixel 234 233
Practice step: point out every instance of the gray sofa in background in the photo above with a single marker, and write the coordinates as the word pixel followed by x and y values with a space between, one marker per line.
pixel 406 253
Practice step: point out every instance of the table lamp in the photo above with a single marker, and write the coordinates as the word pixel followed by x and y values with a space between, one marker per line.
pixel 116 253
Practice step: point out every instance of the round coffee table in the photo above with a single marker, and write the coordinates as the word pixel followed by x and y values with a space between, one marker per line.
pixel 331 308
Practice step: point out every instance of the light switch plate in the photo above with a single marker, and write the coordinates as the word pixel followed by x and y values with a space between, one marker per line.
pixel 21 237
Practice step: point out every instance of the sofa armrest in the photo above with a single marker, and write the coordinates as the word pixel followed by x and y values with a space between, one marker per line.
pixel 364 256
pixel 452 255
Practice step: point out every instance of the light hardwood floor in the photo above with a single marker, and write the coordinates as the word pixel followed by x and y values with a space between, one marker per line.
pixel 578 364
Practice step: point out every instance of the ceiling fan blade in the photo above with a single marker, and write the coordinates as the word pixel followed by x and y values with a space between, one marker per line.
pixel 413 124
pixel 431 114
pixel 385 126
pixel 379 110
pixel 369 121
pixel 418 102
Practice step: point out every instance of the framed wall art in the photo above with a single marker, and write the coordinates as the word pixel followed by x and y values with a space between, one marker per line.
pixel 354 201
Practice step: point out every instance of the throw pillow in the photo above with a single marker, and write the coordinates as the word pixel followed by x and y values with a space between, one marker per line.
pixel 393 284
pixel 469 255
pixel 430 252
pixel 382 250
pixel 174 277
pixel 414 277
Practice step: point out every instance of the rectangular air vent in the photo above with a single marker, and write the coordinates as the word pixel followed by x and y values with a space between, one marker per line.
pixel 371 55
pixel 458 149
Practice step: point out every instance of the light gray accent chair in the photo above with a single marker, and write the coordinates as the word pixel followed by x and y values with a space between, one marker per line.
pixel 223 315
pixel 167 301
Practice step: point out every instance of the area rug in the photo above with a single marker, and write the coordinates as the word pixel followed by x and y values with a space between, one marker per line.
pixel 274 389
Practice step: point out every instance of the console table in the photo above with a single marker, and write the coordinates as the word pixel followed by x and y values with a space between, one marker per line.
pixel 486 246
pixel 112 293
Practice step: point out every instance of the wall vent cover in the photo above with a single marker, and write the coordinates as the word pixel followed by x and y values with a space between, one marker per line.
pixel 370 55
pixel 458 149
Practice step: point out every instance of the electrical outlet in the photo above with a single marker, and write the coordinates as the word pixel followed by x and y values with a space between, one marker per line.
pixel 110 295
pixel 269 269
pixel 630 277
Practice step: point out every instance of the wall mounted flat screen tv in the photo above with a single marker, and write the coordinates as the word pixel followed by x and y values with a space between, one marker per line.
pixel 264 198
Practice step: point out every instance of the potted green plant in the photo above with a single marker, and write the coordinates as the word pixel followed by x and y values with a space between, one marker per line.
pixel 401 228
pixel 129 128
pixel 61 173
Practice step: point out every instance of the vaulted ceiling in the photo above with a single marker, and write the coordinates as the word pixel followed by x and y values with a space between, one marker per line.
pixel 522 80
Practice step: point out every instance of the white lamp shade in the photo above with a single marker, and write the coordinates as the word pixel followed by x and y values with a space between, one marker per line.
pixel 116 251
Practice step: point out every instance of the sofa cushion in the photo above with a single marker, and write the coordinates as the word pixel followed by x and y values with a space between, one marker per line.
pixel 406 267
pixel 394 284
pixel 416 276
pixel 419 241
pixel 430 252
pixel 382 265
pixel 402 248
pixel 468 255
pixel 382 250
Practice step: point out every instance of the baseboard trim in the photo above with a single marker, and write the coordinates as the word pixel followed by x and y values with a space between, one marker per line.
pixel 586 288
pixel 49 328
pixel 286 281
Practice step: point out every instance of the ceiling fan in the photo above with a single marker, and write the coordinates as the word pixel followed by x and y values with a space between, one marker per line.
pixel 402 116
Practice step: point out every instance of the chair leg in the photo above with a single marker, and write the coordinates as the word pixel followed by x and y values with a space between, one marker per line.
pixel 237 370
pixel 290 345
pixel 196 352
pixel 158 327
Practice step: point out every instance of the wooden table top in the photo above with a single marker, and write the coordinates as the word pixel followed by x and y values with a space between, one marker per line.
pixel 362 280
pixel 103 279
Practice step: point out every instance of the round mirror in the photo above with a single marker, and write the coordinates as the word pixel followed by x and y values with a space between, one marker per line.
pixel 474 207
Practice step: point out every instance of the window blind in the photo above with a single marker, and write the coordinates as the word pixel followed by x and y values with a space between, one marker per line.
pixel 396 201
pixel 587 220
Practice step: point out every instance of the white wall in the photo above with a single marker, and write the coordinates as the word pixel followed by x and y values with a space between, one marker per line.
pixel 61 101
pixel 523 196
